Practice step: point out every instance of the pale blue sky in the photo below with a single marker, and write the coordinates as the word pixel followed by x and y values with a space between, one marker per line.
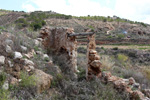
pixel 136 10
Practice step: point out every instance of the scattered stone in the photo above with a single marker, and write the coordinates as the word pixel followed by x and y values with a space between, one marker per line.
pixel 31 67
pixel 30 54
pixel 39 52
pixel 2 60
pixel 10 63
pixel 146 92
pixel 36 42
pixel 9 42
pixel 23 48
pixel 5 85
pixel 137 95
pixel 131 81
pixel 46 57
pixel 28 62
pixel 40 39
pixel 13 81
pixel 136 86
pixel 17 55
pixel 43 80
pixel 8 49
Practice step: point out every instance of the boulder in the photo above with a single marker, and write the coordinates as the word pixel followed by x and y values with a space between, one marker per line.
pixel 2 60
pixel 17 55
pixel 43 80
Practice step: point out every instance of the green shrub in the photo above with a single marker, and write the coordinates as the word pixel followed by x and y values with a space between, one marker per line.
pixel 122 57
pixel 120 36
pixel 4 94
pixel 2 78
pixel 27 80
pixel 115 48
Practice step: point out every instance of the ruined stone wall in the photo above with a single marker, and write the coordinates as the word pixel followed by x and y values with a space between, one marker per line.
pixel 57 40
pixel 128 86
pixel 93 59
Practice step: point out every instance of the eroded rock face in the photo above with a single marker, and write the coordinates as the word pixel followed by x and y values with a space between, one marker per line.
pixel 43 80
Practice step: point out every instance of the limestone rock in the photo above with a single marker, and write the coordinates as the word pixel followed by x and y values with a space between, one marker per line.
pixel 5 85
pixel 17 55
pixel 10 63
pixel 40 39
pixel 23 48
pixel 43 80
pixel 2 60
pixel 8 49
pixel 45 57
pixel 9 42
pixel 28 62
pixel 30 54
pixel 39 52
pixel 36 42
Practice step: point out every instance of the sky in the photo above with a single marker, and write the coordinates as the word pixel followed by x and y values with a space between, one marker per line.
pixel 135 10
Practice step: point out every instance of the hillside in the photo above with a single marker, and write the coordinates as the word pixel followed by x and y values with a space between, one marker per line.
pixel 40 60
pixel 106 28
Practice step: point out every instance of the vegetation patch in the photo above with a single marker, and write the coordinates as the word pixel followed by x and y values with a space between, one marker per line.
pixel 27 80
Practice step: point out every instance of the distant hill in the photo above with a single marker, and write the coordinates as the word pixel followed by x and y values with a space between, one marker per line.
pixel 106 28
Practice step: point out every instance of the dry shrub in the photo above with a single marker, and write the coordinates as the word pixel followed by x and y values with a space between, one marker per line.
pixel 107 62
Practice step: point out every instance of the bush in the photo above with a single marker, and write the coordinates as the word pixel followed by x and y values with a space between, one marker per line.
pixel 115 48
pixel 27 80
pixel 120 36
pixel 4 94
pixel 122 57
pixel 2 78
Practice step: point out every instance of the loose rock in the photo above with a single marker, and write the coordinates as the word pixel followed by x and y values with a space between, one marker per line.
pixel 2 60
pixel 17 55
